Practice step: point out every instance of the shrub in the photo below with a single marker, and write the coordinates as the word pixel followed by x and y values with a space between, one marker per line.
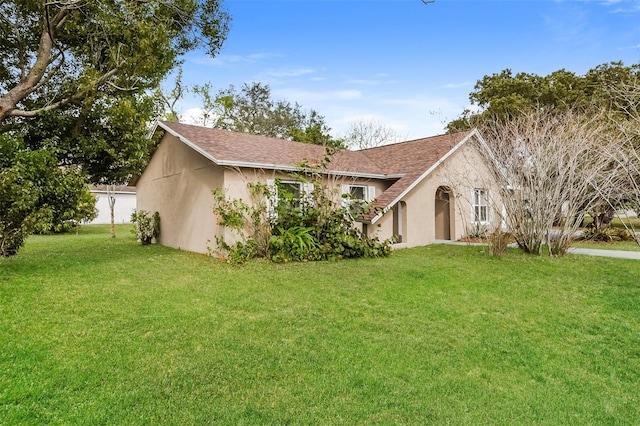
pixel 36 195
pixel 607 234
pixel 498 241
pixel 331 224
pixel 146 226
pixel 294 243
pixel 476 230
pixel 249 222
pixel 311 228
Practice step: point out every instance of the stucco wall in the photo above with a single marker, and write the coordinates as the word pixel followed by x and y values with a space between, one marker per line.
pixel 177 183
pixel 460 173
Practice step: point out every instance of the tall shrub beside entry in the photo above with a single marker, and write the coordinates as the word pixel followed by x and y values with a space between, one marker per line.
pixel 146 226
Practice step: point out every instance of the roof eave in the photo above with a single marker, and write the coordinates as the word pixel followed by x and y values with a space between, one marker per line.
pixel 268 166
pixel 291 168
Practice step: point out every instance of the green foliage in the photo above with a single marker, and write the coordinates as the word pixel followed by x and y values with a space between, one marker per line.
pixel 146 226
pixel 101 56
pixel 71 203
pixel 252 110
pixel 294 243
pixel 249 223
pixel 505 95
pixel 304 227
pixel 36 195
pixel 231 212
pixel 238 252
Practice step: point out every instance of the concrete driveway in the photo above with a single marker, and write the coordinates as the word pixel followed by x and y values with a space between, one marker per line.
pixel 622 254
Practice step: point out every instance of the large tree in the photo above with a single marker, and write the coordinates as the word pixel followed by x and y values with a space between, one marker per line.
pixel 56 53
pixel 252 109
pixel 75 84
pixel 507 95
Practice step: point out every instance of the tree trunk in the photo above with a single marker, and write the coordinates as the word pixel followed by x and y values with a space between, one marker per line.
pixel 10 99
pixel 112 202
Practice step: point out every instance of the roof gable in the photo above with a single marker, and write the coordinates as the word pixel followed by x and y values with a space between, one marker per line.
pixel 414 161
pixel 228 148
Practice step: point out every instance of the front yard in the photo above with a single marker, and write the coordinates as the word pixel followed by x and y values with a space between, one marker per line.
pixel 95 330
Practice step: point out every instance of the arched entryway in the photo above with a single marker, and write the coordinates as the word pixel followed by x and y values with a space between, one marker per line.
pixel 443 207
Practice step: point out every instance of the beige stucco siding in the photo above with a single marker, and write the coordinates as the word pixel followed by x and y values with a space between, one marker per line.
pixel 177 183
pixel 460 174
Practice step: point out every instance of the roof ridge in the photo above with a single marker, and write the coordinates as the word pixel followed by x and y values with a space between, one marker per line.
pixel 415 140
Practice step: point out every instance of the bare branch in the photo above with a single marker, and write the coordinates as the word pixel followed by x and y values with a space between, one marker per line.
pixel 363 134
pixel 548 167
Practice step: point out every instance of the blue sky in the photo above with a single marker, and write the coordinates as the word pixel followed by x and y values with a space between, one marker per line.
pixel 405 64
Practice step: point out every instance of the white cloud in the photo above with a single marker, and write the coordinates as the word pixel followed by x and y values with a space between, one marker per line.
pixel 308 97
pixel 191 115
pixel 622 6
pixel 227 60
pixel 291 72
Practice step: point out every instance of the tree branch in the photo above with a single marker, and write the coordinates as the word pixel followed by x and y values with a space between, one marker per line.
pixel 65 101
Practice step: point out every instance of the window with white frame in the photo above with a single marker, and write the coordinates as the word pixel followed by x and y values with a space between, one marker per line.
pixel 480 206
pixel 292 188
pixel 298 193
pixel 356 196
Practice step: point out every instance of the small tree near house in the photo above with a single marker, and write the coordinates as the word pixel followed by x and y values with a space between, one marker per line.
pixel 547 166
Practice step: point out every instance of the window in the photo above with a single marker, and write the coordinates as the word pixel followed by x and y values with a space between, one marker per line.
pixel 294 189
pixel 356 196
pixel 358 192
pixel 480 207
pixel 297 194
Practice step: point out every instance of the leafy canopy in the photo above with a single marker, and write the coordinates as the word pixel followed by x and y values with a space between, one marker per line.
pixel 505 94
pixel 54 54
pixel 76 78
pixel 253 110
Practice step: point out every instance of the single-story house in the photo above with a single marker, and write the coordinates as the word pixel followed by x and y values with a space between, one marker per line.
pixel 423 190
pixel 125 197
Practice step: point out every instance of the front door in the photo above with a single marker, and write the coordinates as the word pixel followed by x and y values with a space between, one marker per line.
pixel 443 216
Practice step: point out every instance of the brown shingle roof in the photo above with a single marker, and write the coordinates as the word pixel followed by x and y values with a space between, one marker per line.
pixel 408 162
pixel 233 148
pixel 411 160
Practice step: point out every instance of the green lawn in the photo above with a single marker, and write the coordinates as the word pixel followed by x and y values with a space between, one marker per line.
pixel 95 330
pixel 616 245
